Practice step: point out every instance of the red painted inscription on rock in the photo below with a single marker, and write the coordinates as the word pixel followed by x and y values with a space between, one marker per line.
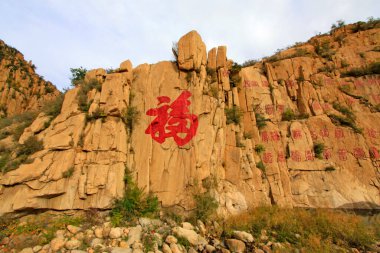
pixel 173 120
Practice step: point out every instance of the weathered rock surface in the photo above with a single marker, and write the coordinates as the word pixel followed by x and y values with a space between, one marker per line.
pixel 85 153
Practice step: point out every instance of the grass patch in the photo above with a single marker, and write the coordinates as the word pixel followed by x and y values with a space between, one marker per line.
pixel 183 241
pixel 44 226
pixel 318 229
pixel 289 115
pixel 344 110
pixel 30 146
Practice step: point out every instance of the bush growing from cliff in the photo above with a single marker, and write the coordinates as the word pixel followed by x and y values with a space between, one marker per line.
pixel 135 203
pixel 259 148
pixel 82 97
pixel 318 149
pixel 233 115
pixel 131 116
pixel 77 75
pixel 206 205
pixel 261 121
pixel 288 115
pixel 30 146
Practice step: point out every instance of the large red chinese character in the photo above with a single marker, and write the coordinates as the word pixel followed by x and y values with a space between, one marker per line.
pixel 173 120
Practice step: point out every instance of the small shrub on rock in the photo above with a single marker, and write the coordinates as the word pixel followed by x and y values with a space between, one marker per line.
pixel 135 203
pixel 259 148
pixel 233 115
pixel 206 205
pixel 318 149
pixel 30 146
pixel 261 121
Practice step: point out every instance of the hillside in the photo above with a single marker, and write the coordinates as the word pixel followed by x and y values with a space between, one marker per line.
pixel 247 149
pixel 21 89
pixel 298 129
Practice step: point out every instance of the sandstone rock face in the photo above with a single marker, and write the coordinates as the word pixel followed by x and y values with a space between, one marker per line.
pixel 21 89
pixel 191 51
pixel 290 104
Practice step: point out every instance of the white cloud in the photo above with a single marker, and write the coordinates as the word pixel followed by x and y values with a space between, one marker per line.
pixel 59 34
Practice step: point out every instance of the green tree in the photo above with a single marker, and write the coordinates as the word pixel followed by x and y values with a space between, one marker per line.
pixel 77 75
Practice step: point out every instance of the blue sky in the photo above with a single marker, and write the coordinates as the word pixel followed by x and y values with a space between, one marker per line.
pixel 61 34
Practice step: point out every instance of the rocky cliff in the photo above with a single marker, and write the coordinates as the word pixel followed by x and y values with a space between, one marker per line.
pixel 21 89
pixel 298 129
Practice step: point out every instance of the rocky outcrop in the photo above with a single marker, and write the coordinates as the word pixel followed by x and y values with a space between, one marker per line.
pixel 21 89
pixel 294 130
